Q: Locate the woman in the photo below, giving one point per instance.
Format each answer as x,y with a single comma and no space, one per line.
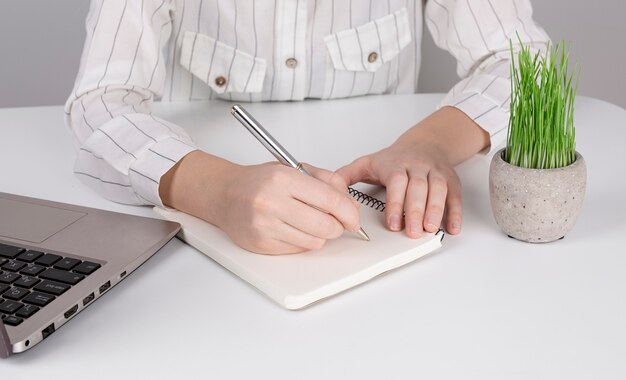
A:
275,50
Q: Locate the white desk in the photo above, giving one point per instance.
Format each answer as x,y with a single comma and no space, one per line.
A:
483,307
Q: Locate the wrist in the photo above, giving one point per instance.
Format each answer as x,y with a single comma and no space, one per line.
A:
450,131
196,184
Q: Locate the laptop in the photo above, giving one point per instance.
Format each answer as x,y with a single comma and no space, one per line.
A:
56,259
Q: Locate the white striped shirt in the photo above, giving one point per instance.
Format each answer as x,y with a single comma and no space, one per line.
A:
137,51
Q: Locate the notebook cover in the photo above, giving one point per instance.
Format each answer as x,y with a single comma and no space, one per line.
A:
295,281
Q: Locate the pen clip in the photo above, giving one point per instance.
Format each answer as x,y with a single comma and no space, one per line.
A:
302,170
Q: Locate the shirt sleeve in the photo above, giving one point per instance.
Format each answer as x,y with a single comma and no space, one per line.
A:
124,150
477,34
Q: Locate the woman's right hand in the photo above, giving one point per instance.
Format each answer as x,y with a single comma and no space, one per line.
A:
268,208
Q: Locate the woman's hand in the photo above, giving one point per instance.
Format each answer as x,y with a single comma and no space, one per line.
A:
418,171
272,208
268,208
421,184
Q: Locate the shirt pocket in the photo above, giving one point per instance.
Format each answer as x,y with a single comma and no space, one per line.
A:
368,47
222,67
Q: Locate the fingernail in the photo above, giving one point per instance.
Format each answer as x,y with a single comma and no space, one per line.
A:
431,226
415,231
456,227
395,223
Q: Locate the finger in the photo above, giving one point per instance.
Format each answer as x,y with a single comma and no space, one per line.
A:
275,243
274,247
454,206
357,171
437,192
415,204
293,236
326,198
396,182
282,239
312,221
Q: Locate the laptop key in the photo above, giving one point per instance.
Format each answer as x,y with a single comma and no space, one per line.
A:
33,269
10,251
86,267
3,288
12,320
38,299
15,294
26,311
52,287
30,256
48,259
26,282
13,266
3,261
8,277
66,263
61,276
10,307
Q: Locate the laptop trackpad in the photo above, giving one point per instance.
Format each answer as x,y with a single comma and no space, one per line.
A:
32,222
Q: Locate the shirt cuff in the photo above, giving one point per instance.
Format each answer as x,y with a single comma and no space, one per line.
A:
486,112
145,173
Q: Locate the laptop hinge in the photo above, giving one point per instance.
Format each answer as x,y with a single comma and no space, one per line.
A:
5,344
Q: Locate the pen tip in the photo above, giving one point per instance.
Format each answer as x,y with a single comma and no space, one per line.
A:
363,234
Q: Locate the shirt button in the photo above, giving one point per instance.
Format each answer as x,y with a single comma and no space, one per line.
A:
220,81
372,57
291,63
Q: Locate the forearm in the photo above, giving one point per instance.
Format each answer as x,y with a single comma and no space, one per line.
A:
123,150
483,54
450,131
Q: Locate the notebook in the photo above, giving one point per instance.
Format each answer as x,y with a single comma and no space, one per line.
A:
298,280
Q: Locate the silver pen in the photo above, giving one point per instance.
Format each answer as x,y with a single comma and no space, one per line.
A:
273,146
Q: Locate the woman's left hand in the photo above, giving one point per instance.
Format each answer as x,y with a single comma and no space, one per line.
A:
421,185
418,171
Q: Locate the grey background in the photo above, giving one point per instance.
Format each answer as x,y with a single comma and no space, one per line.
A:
41,42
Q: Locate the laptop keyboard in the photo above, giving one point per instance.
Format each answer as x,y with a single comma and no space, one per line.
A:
30,280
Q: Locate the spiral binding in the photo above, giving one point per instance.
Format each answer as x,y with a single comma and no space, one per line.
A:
367,200
442,232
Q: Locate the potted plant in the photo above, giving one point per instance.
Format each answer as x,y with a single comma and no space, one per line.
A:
537,182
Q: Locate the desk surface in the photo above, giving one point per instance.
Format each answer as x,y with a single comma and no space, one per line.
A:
483,307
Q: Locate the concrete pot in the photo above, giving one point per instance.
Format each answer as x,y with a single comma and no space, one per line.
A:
536,205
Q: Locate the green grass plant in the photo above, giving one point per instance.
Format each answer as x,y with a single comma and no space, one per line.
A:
541,132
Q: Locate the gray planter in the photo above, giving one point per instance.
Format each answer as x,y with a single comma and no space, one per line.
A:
536,205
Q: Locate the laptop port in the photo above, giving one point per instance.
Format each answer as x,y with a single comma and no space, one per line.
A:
71,311
47,331
88,299
123,274
104,287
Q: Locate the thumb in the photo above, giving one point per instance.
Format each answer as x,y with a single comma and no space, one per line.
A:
357,171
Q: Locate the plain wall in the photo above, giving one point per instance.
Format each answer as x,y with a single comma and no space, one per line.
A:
41,43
